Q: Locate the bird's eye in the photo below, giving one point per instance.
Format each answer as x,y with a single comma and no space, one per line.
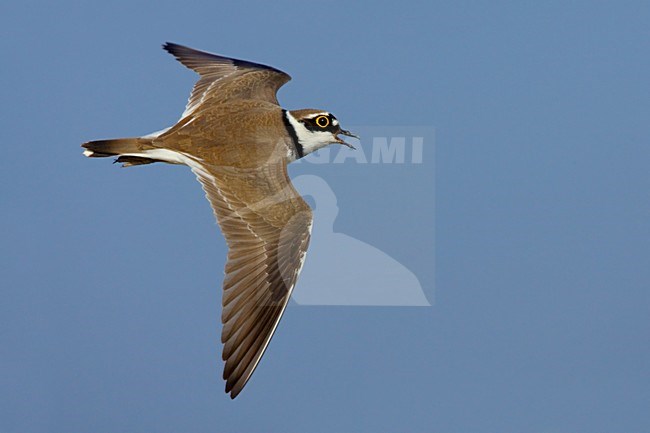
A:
322,121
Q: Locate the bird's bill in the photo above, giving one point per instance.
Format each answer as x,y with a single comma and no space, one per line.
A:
347,134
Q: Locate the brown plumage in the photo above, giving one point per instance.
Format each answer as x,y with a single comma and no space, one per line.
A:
237,140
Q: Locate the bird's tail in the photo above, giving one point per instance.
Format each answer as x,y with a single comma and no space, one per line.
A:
129,151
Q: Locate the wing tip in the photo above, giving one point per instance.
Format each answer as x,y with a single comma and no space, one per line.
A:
233,389
184,55
174,49
233,392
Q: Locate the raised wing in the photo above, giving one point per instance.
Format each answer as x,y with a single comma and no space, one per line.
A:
224,79
267,227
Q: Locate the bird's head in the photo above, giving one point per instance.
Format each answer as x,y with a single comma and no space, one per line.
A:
315,129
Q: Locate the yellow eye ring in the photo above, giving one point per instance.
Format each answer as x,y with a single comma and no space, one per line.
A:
323,121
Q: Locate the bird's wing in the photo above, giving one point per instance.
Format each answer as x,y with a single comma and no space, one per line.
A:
267,227
224,79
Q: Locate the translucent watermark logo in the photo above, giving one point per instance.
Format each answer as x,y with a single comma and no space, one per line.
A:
381,254
343,270
382,150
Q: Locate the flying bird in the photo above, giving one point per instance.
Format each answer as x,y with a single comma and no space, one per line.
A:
237,140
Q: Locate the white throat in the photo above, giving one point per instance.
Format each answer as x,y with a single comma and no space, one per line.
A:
310,141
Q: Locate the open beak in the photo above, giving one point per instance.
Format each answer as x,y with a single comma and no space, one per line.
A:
347,134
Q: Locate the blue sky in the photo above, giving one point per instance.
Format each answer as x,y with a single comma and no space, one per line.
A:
538,271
